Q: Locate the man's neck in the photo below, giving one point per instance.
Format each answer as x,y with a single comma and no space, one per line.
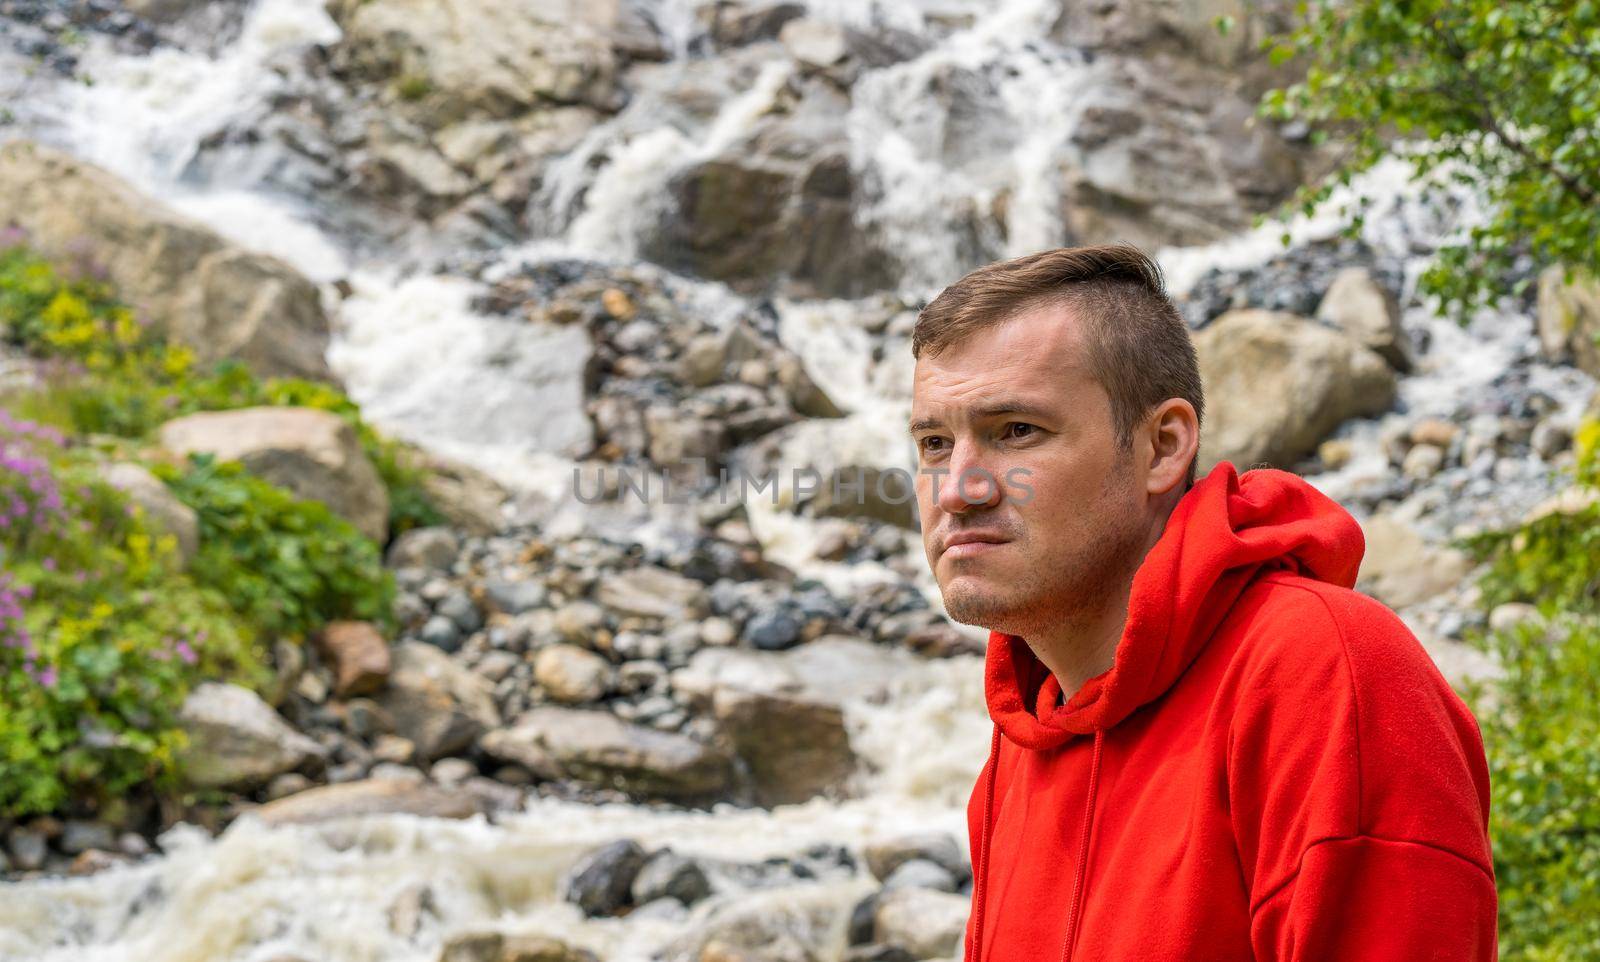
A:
1080,649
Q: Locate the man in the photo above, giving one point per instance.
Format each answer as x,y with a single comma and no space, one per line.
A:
1207,746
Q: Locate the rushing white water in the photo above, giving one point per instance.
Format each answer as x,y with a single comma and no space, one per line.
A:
327,891
506,395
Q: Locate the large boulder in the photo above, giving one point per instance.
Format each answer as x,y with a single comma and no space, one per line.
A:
1569,319
314,454
597,748
219,299
778,204
786,724
236,740
1277,384
441,706
1168,155
492,58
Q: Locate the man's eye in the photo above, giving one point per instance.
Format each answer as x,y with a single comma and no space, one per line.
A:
1019,429
932,445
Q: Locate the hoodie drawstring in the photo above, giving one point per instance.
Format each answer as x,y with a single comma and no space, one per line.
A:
980,880
1080,877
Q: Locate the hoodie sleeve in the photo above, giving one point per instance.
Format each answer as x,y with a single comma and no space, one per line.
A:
1358,791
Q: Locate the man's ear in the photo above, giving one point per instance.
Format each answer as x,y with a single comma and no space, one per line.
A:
1172,431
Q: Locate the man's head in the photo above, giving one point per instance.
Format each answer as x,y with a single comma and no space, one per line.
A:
1063,387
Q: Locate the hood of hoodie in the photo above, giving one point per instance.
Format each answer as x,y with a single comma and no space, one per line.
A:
1223,532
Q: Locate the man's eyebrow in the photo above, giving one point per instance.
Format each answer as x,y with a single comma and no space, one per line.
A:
992,409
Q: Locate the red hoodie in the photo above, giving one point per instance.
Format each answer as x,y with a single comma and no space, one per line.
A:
1272,769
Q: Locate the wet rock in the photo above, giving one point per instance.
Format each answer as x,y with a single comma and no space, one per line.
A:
161,507
374,796
452,771
920,874
1277,384
1422,462
236,740
883,858
572,675
796,925
1550,437
221,300
778,204
1510,615
359,656
494,947
601,883
596,748
1569,319
431,549
926,923
667,874
1369,312
787,729
438,705
314,454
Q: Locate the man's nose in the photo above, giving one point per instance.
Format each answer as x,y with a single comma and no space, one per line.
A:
972,483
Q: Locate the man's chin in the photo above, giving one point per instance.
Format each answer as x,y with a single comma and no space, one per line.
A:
976,601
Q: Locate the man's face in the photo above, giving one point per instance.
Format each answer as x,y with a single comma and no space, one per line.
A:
1064,525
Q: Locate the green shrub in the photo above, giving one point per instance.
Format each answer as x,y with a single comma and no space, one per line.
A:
1541,730
116,376
287,566
101,632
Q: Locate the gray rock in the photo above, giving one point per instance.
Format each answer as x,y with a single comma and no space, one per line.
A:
597,748
667,874
458,607
884,858
78,836
772,630
236,740
439,705
1369,312
441,633
920,874
431,549
29,848
601,883
926,923
652,592
516,597
1400,569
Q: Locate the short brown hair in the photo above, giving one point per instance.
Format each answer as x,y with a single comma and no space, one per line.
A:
1138,345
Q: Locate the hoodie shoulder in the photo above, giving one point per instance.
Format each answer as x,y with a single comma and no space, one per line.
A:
1331,688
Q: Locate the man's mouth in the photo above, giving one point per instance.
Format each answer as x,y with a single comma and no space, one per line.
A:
967,544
